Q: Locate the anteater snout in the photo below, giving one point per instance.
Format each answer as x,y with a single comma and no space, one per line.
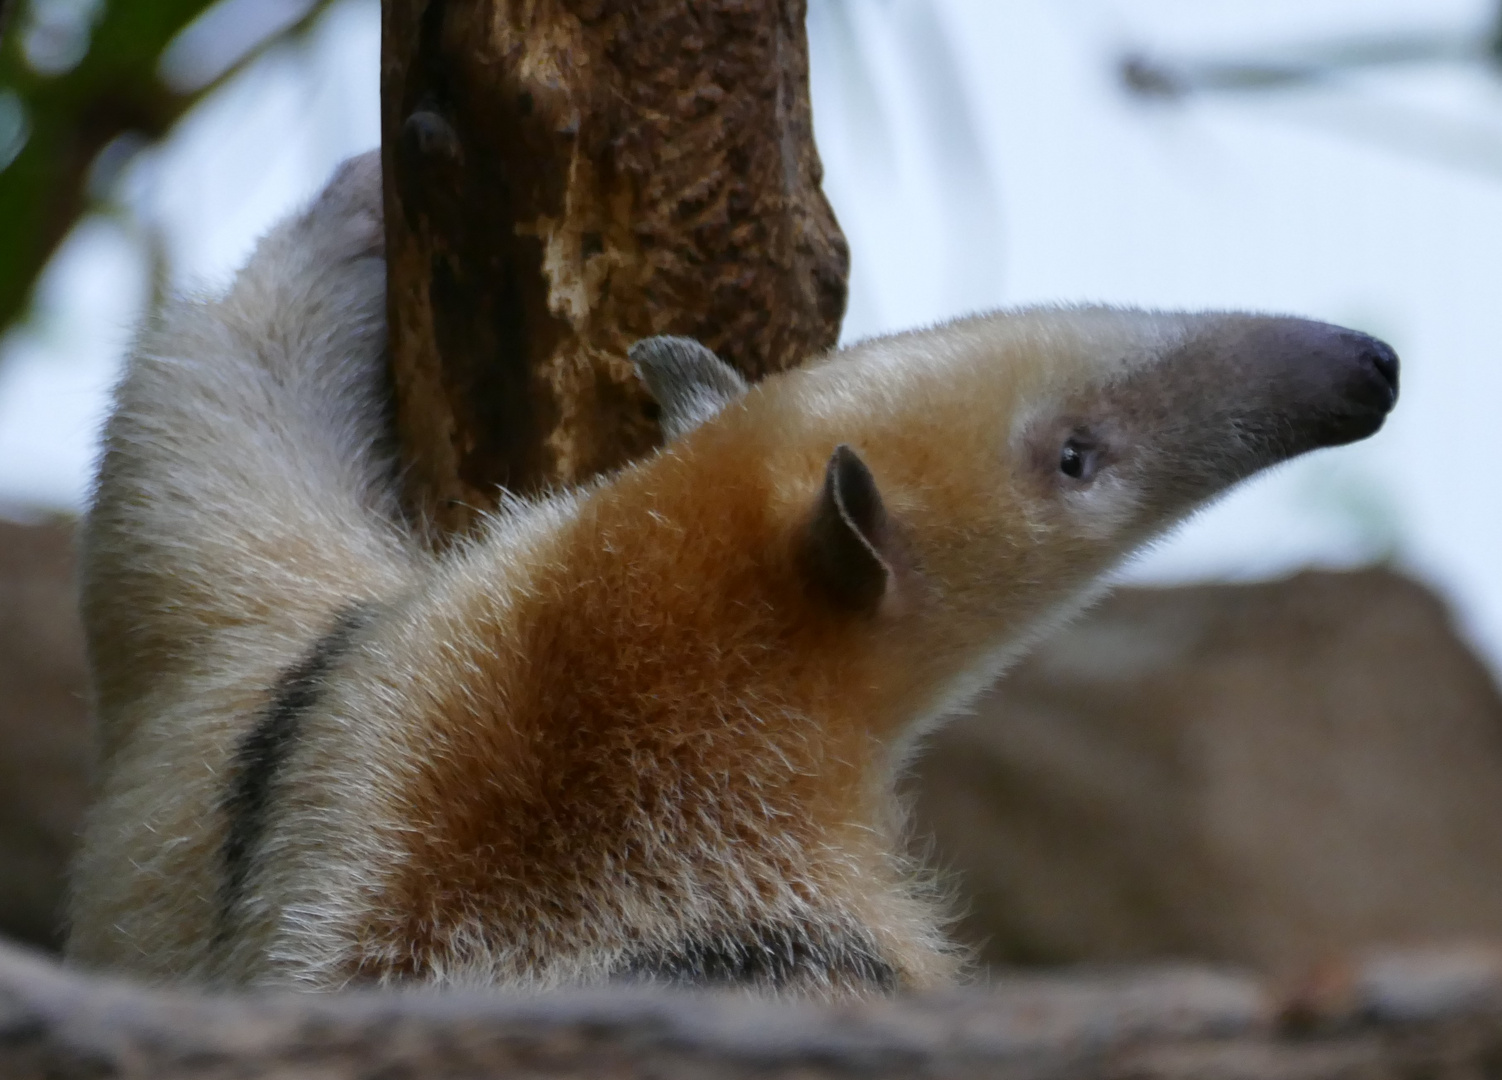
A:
1334,385
1371,383
1363,385
1385,362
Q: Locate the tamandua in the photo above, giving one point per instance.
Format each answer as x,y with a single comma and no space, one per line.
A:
642,730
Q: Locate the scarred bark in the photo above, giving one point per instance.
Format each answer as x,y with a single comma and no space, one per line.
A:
564,177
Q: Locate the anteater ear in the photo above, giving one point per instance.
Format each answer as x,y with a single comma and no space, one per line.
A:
689,381
849,546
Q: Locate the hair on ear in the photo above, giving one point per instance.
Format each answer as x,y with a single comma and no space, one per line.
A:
849,538
689,381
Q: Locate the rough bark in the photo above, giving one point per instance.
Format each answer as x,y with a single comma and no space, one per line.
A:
564,177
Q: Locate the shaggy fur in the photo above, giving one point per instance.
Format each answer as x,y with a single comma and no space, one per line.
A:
643,730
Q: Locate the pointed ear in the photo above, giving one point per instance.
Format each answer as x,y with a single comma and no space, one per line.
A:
849,545
690,382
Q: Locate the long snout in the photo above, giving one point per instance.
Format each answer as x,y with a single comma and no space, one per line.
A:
1301,385
1332,385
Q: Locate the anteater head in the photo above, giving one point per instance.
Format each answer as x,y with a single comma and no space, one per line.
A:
973,482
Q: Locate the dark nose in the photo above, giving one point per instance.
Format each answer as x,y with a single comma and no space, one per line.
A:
1363,373
1385,360
1332,385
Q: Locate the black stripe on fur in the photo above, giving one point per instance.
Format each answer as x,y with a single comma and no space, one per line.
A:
771,956
265,748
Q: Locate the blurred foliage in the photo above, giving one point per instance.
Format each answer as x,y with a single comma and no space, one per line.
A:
1301,66
81,88
1418,132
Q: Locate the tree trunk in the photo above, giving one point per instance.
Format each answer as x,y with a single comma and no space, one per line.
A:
564,177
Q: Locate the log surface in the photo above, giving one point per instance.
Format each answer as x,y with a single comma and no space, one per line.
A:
1436,1015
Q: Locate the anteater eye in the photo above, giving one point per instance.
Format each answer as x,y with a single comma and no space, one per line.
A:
1077,460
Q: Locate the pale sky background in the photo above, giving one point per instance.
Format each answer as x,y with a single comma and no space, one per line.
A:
982,153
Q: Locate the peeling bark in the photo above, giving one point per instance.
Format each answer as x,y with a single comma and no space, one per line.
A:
564,177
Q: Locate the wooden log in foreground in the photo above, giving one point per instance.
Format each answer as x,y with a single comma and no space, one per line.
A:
566,176
1435,1014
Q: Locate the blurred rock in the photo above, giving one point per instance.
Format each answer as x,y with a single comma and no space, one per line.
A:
1261,775
44,743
